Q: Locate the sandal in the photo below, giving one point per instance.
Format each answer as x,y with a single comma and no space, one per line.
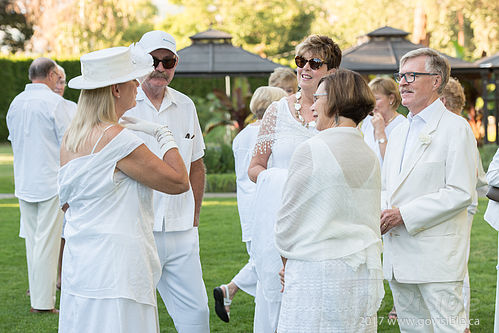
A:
392,314
221,302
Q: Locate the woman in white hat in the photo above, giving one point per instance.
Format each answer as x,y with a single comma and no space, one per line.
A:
110,263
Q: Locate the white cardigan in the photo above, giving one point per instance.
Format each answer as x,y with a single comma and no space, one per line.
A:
331,201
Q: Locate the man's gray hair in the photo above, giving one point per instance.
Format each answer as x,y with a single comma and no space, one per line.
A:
435,63
40,68
61,69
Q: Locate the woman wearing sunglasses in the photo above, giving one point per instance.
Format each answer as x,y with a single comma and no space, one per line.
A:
285,125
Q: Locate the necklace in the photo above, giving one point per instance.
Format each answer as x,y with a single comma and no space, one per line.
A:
298,108
390,120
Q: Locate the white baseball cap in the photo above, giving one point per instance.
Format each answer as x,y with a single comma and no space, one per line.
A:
157,39
111,66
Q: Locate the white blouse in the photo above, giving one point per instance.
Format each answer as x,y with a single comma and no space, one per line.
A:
242,146
368,131
110,250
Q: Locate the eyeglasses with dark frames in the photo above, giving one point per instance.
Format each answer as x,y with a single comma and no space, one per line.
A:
409,76
315,63
168,63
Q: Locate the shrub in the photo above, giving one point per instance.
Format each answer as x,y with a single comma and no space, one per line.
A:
219,159
14,74
220,183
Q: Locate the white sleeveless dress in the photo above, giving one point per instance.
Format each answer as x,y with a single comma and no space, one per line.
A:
110,264
281,133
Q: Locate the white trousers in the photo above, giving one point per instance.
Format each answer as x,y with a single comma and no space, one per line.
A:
247,278
181,285
42,226
116,315
266,313
429,307
466,281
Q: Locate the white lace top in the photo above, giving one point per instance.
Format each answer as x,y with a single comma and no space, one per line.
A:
281,133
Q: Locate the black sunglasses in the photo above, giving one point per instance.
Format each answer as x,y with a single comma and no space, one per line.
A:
168,63
315,63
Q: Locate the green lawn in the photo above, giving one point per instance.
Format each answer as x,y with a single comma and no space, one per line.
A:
222,255
6,171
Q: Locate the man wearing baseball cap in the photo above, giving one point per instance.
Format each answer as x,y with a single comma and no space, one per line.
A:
176,216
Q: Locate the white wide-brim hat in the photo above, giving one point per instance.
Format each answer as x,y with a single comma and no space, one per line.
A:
111,66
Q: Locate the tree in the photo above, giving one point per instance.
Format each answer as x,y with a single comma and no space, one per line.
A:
266,27
72,27
15,30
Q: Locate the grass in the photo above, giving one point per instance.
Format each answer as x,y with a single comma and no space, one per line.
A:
222,255
6,170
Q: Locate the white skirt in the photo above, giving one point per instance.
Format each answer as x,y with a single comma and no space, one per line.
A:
117,315
325,296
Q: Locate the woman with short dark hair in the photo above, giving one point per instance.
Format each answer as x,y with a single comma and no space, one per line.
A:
328,227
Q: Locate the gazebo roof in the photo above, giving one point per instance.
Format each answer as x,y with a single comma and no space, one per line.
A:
212,54
382,51
489,62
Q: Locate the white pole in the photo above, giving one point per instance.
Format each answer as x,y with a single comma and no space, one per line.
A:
227,85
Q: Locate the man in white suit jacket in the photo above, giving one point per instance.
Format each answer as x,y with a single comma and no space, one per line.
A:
429,174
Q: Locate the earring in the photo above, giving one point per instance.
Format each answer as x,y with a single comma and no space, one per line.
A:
118,96
391,103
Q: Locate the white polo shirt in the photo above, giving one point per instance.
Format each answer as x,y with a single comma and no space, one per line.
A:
37,119
173,212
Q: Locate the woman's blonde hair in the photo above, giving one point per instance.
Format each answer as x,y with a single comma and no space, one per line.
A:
387,87
323,47
281,75
348,95
263,97
94,106
454,96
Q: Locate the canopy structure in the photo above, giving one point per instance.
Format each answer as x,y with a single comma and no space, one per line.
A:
489,62
212,54
382,49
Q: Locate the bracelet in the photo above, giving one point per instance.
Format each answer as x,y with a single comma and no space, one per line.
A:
165,139
382,140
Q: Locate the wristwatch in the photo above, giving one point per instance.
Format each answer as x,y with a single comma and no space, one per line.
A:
382,140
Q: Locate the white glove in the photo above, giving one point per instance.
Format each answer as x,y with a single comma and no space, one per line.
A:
161,132
140,125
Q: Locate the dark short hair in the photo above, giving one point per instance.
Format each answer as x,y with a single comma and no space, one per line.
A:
323,47
40,68
348,95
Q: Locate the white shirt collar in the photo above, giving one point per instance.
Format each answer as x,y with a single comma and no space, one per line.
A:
427,113
168,98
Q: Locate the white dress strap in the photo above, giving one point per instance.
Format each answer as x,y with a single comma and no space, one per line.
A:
98,140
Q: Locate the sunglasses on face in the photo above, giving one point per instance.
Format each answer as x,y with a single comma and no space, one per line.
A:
314,63
168,63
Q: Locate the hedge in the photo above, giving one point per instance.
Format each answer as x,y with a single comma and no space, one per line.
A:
14,75
220,183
